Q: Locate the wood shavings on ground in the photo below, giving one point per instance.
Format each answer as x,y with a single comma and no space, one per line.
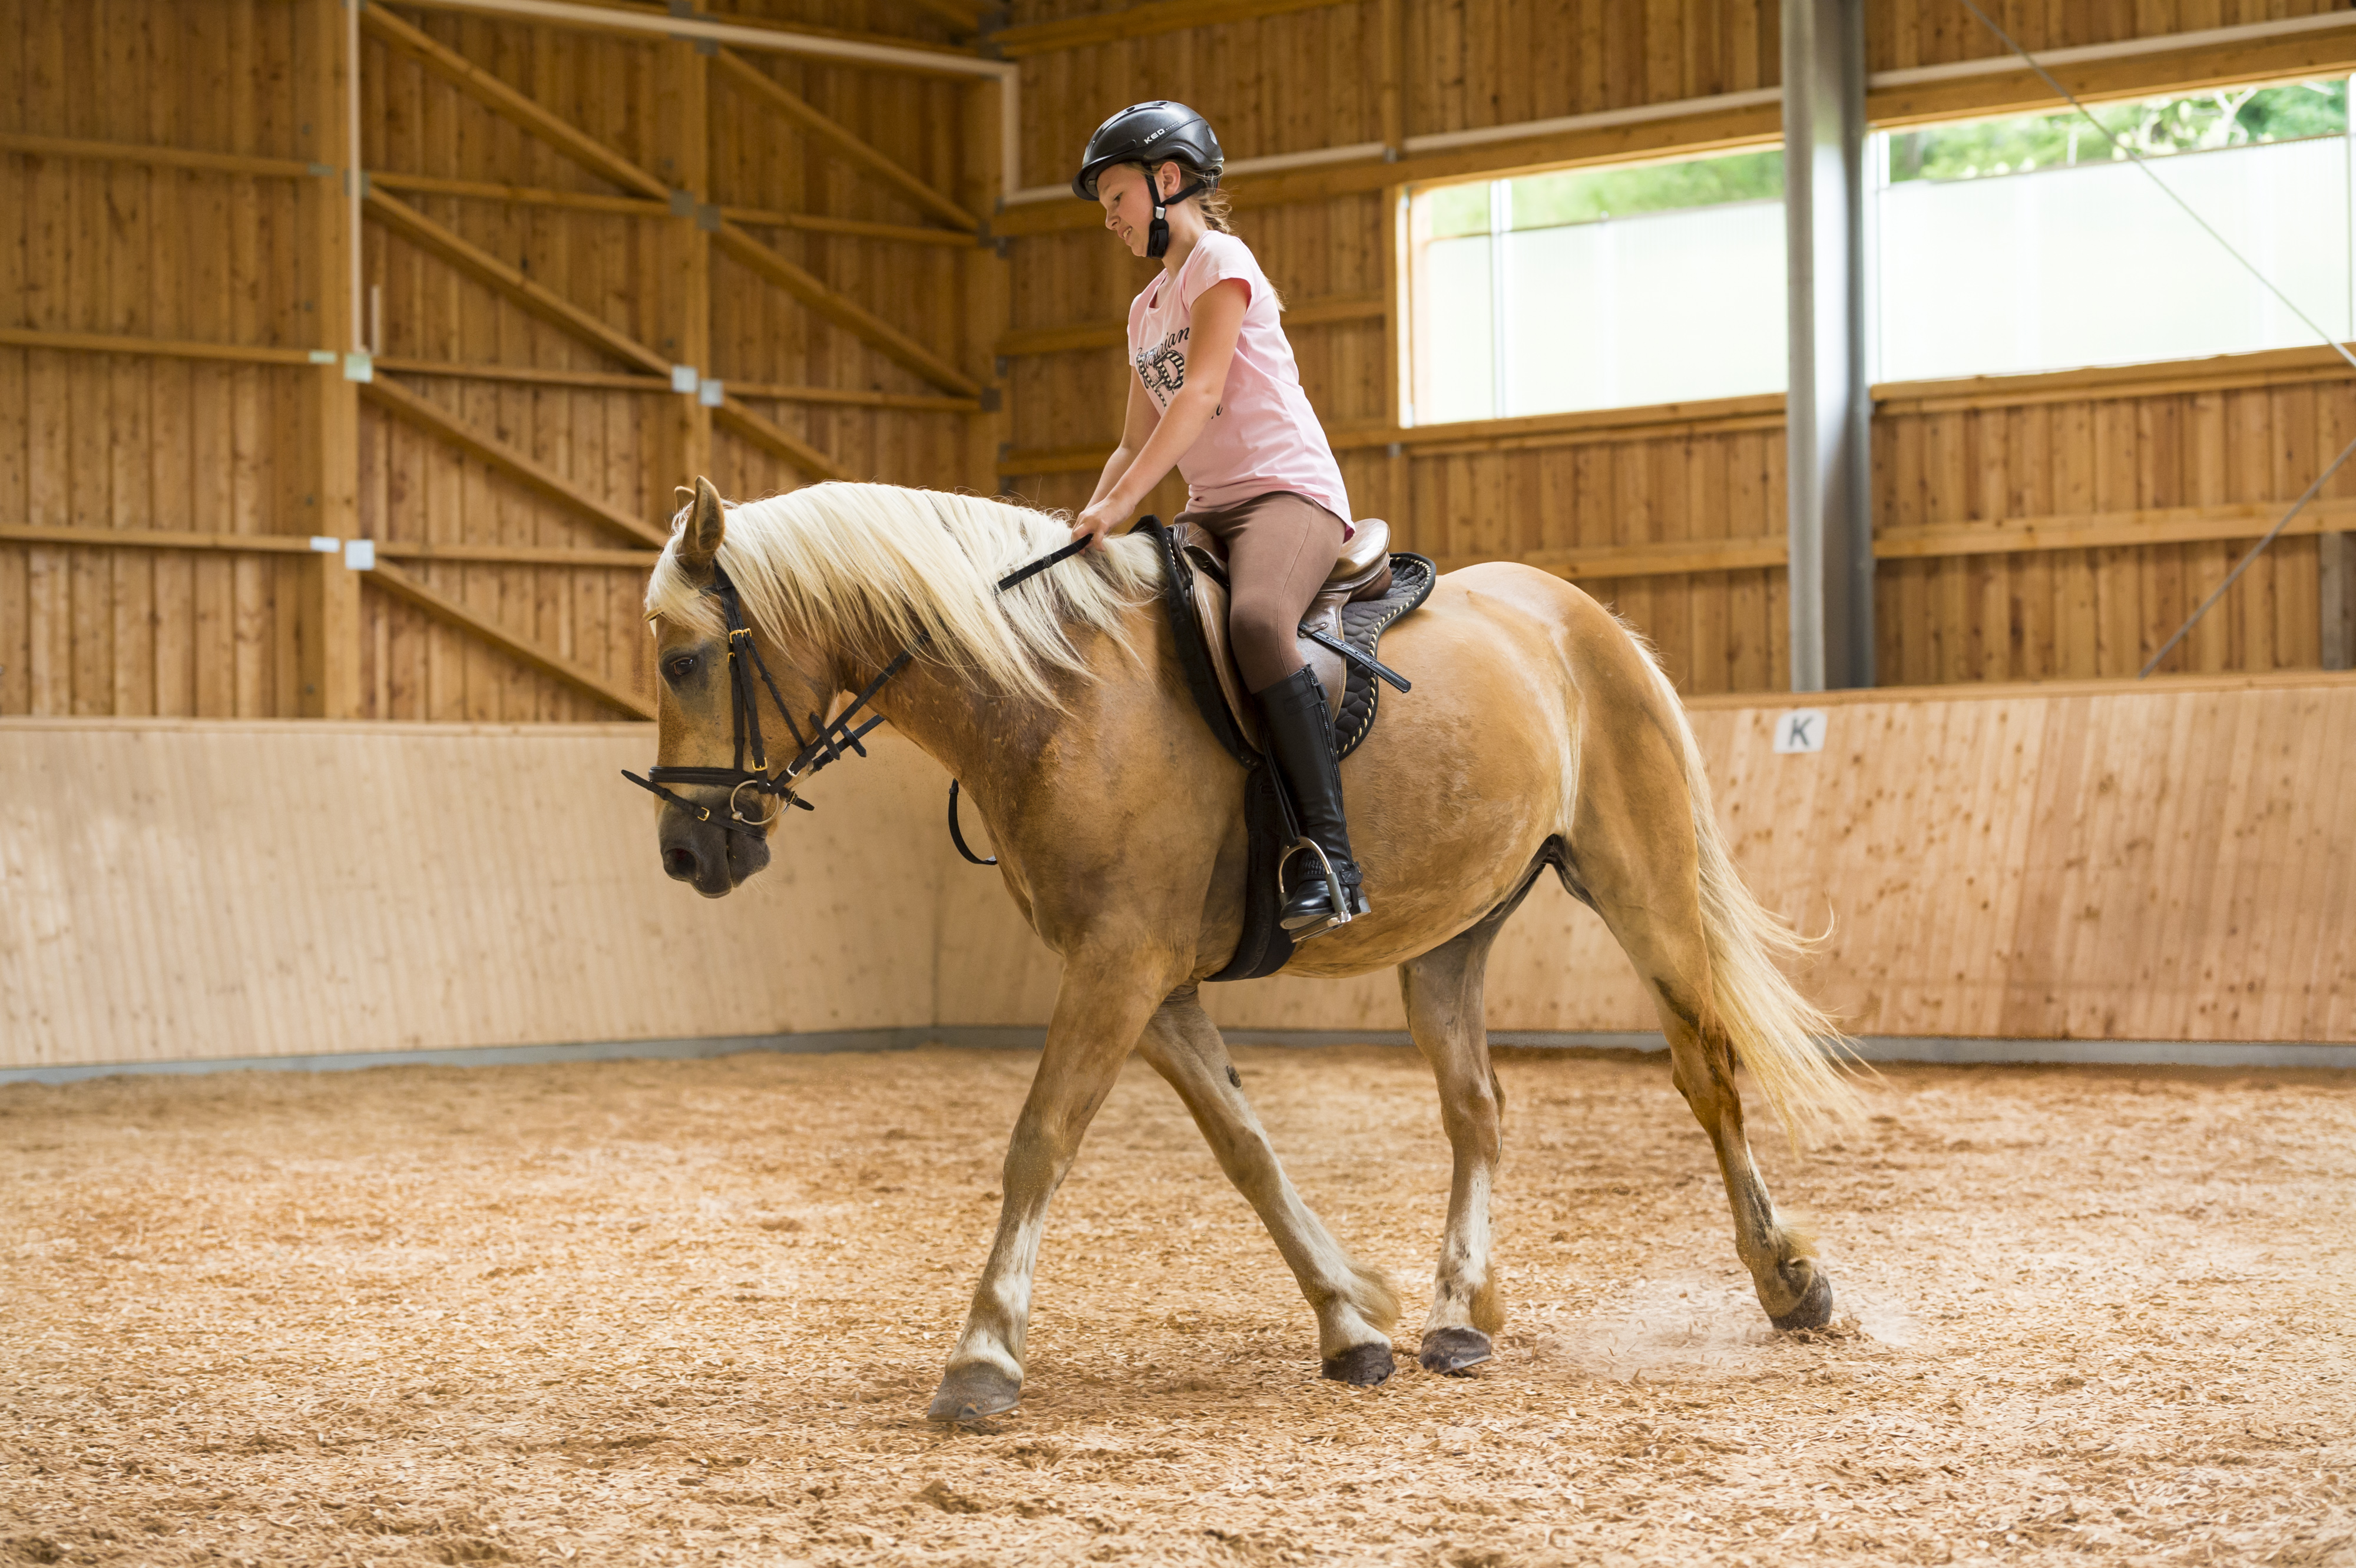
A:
691,1313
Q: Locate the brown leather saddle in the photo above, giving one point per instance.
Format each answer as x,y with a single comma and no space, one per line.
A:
1370,587
1363,571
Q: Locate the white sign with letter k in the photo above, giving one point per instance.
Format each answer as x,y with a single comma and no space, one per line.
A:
1801,729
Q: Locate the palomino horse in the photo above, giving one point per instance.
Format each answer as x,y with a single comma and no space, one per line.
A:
1541,732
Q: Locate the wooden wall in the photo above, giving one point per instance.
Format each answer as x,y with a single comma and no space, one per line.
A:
175,261
2161,861
1675,515
176,891
174,264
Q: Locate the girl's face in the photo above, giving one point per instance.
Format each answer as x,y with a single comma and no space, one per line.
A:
1128,202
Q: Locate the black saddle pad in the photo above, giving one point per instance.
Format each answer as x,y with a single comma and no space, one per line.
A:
1266,947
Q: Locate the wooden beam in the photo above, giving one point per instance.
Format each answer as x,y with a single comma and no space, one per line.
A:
1143,21
154,538
845,312
1115,334
2329,52
2108,530
987,279
2015,536
679,263
642,207
296,544
1390,85
327,625
853,397
162,157
519,195
761,432
1604,562
162,347
855,228
531,375
402,586
1695,134
1654,422
433,418
680,19
511,104
543,302
2218,372
515,554
797,108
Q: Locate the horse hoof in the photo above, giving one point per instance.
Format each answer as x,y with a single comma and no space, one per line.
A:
1814,1309
974,1392
1361,1366
1452,1352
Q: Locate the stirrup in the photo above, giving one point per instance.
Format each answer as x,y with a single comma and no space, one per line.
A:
1345,903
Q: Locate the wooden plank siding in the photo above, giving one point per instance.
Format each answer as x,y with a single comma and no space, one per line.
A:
211,247
210,242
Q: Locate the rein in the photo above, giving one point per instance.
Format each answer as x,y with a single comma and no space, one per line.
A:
829,740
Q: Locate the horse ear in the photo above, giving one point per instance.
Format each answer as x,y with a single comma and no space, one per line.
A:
705,527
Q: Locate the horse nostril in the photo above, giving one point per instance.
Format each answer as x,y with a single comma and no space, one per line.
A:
681,862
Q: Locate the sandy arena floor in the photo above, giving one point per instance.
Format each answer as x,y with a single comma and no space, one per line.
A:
691,1313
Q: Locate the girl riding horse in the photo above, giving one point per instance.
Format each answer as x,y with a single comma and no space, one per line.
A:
1216,395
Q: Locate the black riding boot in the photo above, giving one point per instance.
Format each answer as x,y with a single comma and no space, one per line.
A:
1300,735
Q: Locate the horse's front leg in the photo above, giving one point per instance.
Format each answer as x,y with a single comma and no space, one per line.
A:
1356,1306
1105,999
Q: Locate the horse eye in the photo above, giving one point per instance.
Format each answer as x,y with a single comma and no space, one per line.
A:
682,667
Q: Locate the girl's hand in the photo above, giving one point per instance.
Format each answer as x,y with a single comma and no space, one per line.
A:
1100,519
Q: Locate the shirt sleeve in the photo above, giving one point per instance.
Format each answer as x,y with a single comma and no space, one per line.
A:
1218,259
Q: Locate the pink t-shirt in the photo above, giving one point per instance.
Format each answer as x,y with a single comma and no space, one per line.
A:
1265,436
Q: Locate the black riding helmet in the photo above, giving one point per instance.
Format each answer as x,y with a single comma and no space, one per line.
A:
1152,133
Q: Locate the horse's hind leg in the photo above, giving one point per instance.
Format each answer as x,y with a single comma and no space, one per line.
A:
1646,886
1355,1304
1442,989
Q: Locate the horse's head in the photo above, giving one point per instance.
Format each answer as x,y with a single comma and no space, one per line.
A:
712,682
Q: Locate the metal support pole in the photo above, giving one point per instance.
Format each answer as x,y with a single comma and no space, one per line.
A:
1828,424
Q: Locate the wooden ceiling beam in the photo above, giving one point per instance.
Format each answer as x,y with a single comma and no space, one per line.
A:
1115,334
518,108
766,434
537,298
433,418
800,110
844,312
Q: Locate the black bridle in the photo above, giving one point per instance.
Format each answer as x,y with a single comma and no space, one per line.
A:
829,740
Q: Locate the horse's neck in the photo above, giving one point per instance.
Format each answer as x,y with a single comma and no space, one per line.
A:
977,736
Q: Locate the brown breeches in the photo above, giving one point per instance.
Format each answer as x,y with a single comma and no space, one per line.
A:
1281,549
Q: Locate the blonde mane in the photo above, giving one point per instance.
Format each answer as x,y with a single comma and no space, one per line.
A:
868,568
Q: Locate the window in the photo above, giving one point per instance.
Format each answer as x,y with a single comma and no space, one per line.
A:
1597,288
1995,246
2030,244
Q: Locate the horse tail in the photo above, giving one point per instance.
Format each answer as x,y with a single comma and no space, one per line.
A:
1794,1050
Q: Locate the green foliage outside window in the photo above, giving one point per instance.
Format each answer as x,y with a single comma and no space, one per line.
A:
2151,127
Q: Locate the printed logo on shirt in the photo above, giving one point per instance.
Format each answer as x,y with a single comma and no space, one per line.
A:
1162,370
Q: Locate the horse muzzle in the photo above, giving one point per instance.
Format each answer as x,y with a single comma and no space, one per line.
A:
709,858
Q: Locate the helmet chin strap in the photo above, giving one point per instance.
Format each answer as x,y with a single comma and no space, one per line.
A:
1157,233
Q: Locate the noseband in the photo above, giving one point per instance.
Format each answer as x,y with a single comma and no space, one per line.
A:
829,739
